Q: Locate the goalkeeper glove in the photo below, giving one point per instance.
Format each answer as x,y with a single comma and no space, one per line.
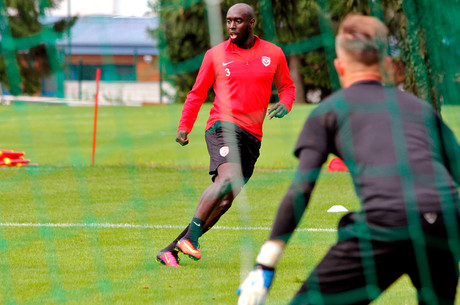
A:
255,288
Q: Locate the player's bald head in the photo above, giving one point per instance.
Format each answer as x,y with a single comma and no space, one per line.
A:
362,38
243,9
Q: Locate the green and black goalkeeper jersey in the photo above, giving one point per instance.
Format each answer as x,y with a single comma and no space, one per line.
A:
391,142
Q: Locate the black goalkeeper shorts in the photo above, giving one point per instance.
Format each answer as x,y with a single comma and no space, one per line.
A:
228,143
357,270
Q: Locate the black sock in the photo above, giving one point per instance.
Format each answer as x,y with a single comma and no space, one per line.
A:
196,229
172,246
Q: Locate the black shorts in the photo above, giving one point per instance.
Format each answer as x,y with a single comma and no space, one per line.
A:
228,143
357,270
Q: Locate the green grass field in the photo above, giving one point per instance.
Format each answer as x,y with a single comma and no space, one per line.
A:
74,233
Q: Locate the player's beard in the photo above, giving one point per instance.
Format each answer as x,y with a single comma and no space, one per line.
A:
240,40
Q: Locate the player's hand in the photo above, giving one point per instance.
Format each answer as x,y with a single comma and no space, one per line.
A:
277,111
255,288
182,137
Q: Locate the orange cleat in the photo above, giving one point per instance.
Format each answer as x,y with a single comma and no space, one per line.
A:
186,247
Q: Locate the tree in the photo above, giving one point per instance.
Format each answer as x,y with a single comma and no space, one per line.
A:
25,54
429,44
184,35
296,21
423,43
305,30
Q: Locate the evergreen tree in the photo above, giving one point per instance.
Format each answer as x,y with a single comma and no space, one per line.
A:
25,59
186,36
285,22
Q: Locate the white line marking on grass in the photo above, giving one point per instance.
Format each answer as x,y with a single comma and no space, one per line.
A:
269,229
133,226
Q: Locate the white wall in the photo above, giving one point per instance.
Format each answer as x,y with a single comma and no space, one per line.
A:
119,93
101,7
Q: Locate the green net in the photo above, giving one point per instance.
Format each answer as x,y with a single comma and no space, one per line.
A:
76,233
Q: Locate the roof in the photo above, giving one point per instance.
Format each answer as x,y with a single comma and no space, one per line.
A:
110,35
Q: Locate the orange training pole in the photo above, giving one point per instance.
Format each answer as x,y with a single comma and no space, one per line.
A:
98,77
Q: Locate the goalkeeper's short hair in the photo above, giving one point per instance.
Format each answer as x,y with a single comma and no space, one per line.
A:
364,38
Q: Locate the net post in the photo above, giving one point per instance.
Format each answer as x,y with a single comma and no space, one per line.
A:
98,77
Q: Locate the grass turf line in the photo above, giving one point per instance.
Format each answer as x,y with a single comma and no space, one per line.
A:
143,177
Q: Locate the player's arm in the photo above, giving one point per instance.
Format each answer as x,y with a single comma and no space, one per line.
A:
286,89
195,98
255,288
296,199
451,150
313,146
312,149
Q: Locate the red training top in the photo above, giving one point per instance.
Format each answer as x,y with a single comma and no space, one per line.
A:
242,81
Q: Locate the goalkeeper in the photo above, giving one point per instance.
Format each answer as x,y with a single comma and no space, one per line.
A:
404,164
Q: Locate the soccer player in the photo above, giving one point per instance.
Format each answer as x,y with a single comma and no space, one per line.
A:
404,162
242,71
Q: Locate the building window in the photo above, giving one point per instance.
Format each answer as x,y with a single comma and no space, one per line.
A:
108,72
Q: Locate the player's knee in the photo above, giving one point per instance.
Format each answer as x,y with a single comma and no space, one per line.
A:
225,185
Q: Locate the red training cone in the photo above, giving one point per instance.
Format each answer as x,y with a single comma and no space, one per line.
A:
337,165
13,158
13,162
10,154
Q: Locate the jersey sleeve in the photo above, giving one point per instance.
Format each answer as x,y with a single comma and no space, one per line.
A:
451,150
284,83
312,149
196,97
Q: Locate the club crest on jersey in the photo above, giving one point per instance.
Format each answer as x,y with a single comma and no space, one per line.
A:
266,60
224,150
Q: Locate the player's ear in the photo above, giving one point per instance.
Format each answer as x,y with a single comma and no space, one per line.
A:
338,64
388,63
252,22
388,71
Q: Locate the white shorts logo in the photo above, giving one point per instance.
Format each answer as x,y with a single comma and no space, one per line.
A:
430,217
266,60
224,150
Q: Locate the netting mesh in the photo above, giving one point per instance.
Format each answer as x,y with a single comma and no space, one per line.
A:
425,45
81,234
432,50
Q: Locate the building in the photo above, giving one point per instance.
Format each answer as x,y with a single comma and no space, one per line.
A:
121,47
